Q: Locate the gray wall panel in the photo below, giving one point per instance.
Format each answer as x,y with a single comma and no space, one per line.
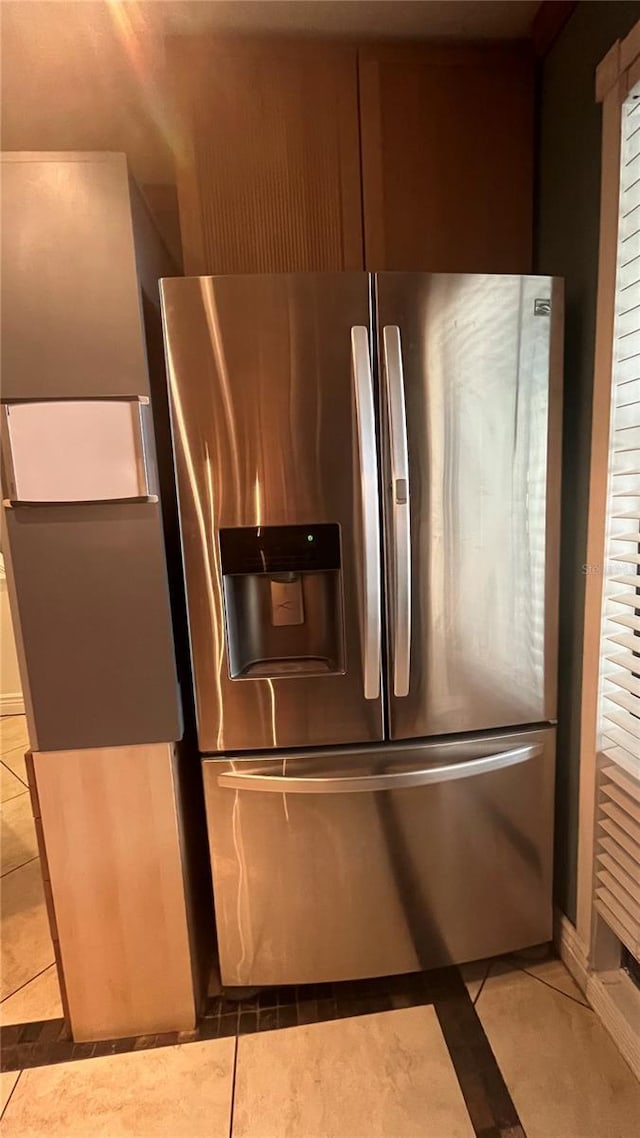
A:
71,310
92,606
88,583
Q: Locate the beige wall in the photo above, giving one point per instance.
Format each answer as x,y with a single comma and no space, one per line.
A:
96,82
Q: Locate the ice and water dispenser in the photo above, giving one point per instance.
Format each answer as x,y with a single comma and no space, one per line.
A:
283,600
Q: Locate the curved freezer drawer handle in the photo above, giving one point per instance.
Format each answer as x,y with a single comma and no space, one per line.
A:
366,430
368,783
401,521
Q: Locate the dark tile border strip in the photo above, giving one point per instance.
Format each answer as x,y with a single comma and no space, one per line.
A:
490,1106
47,1041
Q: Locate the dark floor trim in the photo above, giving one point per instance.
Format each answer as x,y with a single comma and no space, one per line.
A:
489,1103
491,1108
232,1104
45,1042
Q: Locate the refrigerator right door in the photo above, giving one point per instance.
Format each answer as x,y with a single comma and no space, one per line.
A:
470,396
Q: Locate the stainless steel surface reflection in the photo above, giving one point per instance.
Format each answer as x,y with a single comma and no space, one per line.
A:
349,877
345,861
481,384
261,385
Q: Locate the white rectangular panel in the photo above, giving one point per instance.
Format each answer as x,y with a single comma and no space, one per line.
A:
76,451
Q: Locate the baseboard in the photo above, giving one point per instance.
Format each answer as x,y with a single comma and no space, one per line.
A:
573,953
11,703
616,1002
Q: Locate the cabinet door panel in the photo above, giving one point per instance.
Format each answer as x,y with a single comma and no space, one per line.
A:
269,168
447,158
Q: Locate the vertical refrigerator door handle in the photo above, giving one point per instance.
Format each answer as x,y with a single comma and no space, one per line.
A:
400,509
366,430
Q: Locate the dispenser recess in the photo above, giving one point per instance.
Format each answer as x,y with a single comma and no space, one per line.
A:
283,600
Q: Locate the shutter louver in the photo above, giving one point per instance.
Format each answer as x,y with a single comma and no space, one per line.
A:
618,832
618,855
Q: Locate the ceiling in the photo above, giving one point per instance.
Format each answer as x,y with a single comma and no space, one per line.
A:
482,19
91,75
435,19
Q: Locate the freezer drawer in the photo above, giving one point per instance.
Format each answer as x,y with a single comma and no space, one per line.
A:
368,862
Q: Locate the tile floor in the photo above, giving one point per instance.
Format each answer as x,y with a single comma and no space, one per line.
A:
28,980
565,1075
384,1075
407,1072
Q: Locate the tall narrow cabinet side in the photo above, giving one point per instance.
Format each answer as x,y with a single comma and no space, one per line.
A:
109,819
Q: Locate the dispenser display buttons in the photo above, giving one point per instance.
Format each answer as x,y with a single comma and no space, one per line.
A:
280,549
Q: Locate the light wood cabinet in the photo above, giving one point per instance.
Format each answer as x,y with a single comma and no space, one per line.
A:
447,158
269,163
116,877
311,156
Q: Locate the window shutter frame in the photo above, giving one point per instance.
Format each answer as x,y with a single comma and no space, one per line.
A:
617,847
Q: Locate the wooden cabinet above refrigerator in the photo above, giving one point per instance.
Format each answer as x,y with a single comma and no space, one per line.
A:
269,159
314,156
447,158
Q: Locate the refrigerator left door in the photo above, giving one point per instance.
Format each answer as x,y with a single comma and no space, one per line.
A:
274,436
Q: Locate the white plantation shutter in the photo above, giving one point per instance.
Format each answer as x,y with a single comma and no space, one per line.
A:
618,833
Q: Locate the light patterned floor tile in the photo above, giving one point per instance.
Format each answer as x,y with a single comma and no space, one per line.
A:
170,1092
13,733
554,973
15,761
473,975
18,842
26,941
550,971
8,1080
564,1073
10,785
39,999
387,1075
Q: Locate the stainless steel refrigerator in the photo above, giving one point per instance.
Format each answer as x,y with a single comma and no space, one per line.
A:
368,477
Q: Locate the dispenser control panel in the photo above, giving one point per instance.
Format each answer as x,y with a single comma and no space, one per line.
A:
280,549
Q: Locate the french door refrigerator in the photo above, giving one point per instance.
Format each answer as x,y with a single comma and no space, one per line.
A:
368,477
